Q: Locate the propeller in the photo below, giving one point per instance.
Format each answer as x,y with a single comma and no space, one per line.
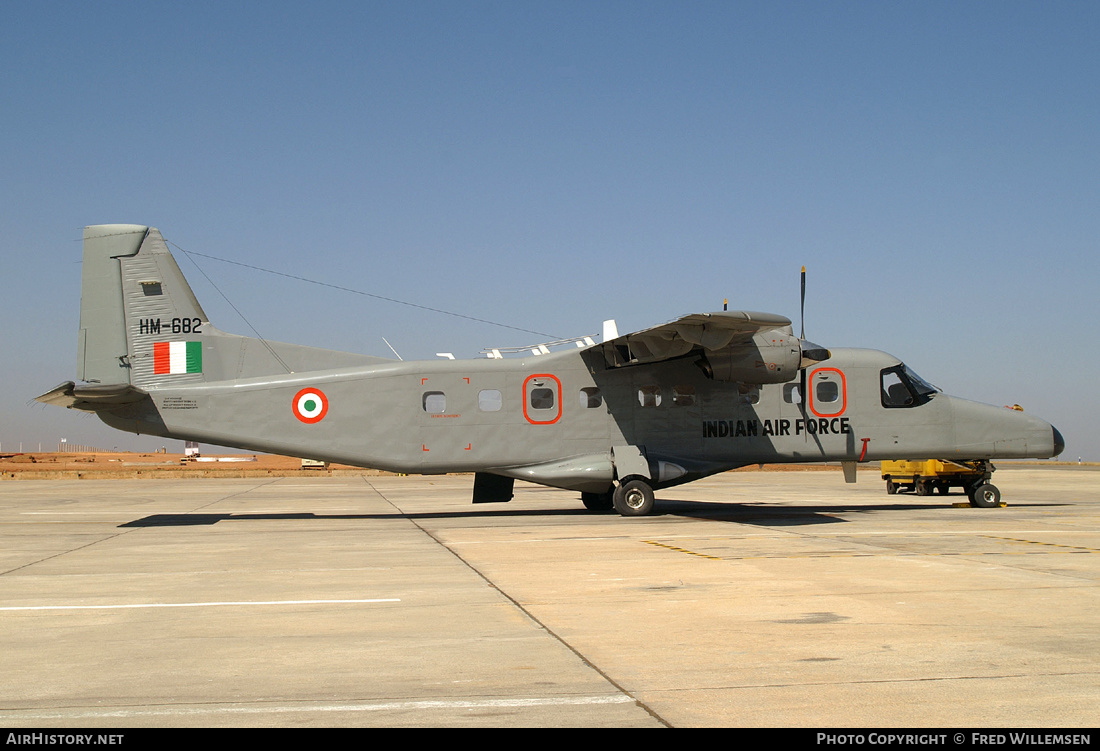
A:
801,343
802,308
811,353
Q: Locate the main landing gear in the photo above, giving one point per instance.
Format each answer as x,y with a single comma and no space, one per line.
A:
633,496
598,501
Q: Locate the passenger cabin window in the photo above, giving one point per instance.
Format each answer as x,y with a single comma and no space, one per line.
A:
827,391
435,402
683,396
489,400
649,396
750,394
792,393
591,398
542,398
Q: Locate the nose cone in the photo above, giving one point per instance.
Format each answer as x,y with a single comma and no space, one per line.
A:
1059,442
985,431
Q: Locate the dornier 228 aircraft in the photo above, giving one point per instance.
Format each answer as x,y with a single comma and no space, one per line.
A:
614,420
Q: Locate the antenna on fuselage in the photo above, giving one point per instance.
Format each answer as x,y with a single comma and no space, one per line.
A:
399,357
610,330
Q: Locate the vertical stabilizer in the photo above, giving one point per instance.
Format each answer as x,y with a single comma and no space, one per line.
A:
164,321
102,349
141,325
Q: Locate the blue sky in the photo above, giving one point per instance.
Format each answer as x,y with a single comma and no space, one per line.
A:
936,166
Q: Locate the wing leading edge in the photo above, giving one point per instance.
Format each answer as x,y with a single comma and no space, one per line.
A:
706,331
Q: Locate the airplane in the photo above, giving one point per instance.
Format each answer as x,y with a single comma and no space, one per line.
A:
614,420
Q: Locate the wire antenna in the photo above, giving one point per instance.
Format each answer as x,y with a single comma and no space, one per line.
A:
235,308
364,294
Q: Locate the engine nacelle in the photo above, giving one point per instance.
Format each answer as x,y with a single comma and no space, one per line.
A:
771,357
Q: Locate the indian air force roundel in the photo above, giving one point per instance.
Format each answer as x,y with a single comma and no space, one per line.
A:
310,405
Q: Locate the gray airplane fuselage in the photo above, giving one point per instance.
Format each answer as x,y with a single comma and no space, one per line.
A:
667,405
480,415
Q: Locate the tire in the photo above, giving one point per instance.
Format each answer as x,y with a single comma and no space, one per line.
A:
891,488
633,498
985,496
920,487
598,501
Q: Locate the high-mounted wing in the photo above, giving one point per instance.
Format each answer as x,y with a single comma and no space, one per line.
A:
708,331
735,345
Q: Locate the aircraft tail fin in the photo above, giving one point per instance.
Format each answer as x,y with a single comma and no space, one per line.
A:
102,351
141,325
137,311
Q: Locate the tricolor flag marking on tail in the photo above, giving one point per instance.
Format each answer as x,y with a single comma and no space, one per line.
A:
310,405
170,358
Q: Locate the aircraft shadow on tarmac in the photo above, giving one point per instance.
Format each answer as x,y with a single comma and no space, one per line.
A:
737,513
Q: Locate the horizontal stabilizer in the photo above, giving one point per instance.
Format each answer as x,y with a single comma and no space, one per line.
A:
92,397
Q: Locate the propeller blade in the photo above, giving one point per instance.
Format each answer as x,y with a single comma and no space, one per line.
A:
802,337
802,390
802,313
811,353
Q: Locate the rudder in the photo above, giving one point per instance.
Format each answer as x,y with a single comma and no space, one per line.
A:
139,319
164,320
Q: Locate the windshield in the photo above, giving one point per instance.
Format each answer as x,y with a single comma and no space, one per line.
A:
921,386
901,387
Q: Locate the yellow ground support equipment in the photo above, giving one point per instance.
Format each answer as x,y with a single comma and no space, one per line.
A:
933,475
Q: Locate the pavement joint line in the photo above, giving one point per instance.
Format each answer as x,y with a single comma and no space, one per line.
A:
1071,548
196,604
342,707
128,531
878,681
682,550
894,553
554,635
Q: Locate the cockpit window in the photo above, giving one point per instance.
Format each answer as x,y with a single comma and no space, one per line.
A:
923,387
901,387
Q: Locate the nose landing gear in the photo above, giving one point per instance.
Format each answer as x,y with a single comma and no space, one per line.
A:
984,495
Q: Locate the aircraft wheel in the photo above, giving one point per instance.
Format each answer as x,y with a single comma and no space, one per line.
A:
633,498
985,496
891,487
598,501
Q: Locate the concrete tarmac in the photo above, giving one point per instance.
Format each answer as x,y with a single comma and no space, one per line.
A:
750,599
